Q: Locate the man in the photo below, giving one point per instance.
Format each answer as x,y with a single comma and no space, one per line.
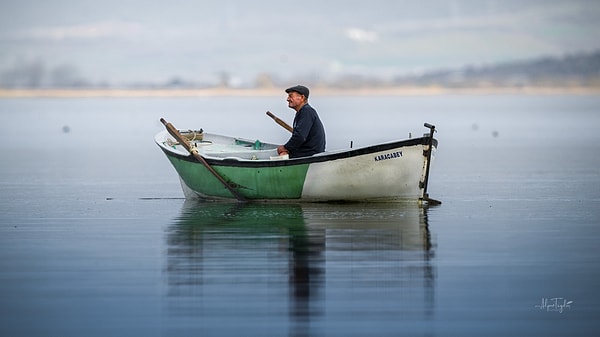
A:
308,137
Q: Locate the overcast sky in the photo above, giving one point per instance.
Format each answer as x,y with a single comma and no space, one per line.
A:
144,40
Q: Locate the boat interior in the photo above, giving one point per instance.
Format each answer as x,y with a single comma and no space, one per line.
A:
224,147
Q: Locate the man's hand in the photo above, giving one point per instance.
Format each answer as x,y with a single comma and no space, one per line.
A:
281,150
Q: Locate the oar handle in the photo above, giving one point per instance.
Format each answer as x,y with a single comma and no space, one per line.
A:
280,122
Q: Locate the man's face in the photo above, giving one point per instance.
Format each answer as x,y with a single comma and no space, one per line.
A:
295,100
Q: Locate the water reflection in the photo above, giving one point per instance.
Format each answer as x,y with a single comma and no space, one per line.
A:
297,266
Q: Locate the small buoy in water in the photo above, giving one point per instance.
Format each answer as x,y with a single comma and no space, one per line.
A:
66,129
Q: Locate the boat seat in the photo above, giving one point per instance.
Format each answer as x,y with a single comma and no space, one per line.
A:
243,155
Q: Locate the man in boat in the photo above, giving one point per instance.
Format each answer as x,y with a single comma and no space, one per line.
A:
308,137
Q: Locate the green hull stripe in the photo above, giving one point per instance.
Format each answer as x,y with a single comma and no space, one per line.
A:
280,182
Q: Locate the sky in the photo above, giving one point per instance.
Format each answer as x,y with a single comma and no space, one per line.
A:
140,41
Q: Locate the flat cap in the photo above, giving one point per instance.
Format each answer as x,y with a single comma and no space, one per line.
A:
302,90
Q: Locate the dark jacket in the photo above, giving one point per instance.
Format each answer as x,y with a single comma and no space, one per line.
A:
308,137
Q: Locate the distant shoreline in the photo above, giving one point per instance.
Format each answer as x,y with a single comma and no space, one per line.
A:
267,92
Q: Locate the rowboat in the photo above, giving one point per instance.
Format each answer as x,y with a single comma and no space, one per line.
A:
212,166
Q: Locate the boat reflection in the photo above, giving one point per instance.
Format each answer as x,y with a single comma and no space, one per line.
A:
235,260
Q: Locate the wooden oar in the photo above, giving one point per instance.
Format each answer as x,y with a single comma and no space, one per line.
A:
194,151
280,122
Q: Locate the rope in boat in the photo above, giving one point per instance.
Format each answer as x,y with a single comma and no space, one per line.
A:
194,135
173,143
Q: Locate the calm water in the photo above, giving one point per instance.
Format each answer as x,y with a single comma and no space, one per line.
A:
96,240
